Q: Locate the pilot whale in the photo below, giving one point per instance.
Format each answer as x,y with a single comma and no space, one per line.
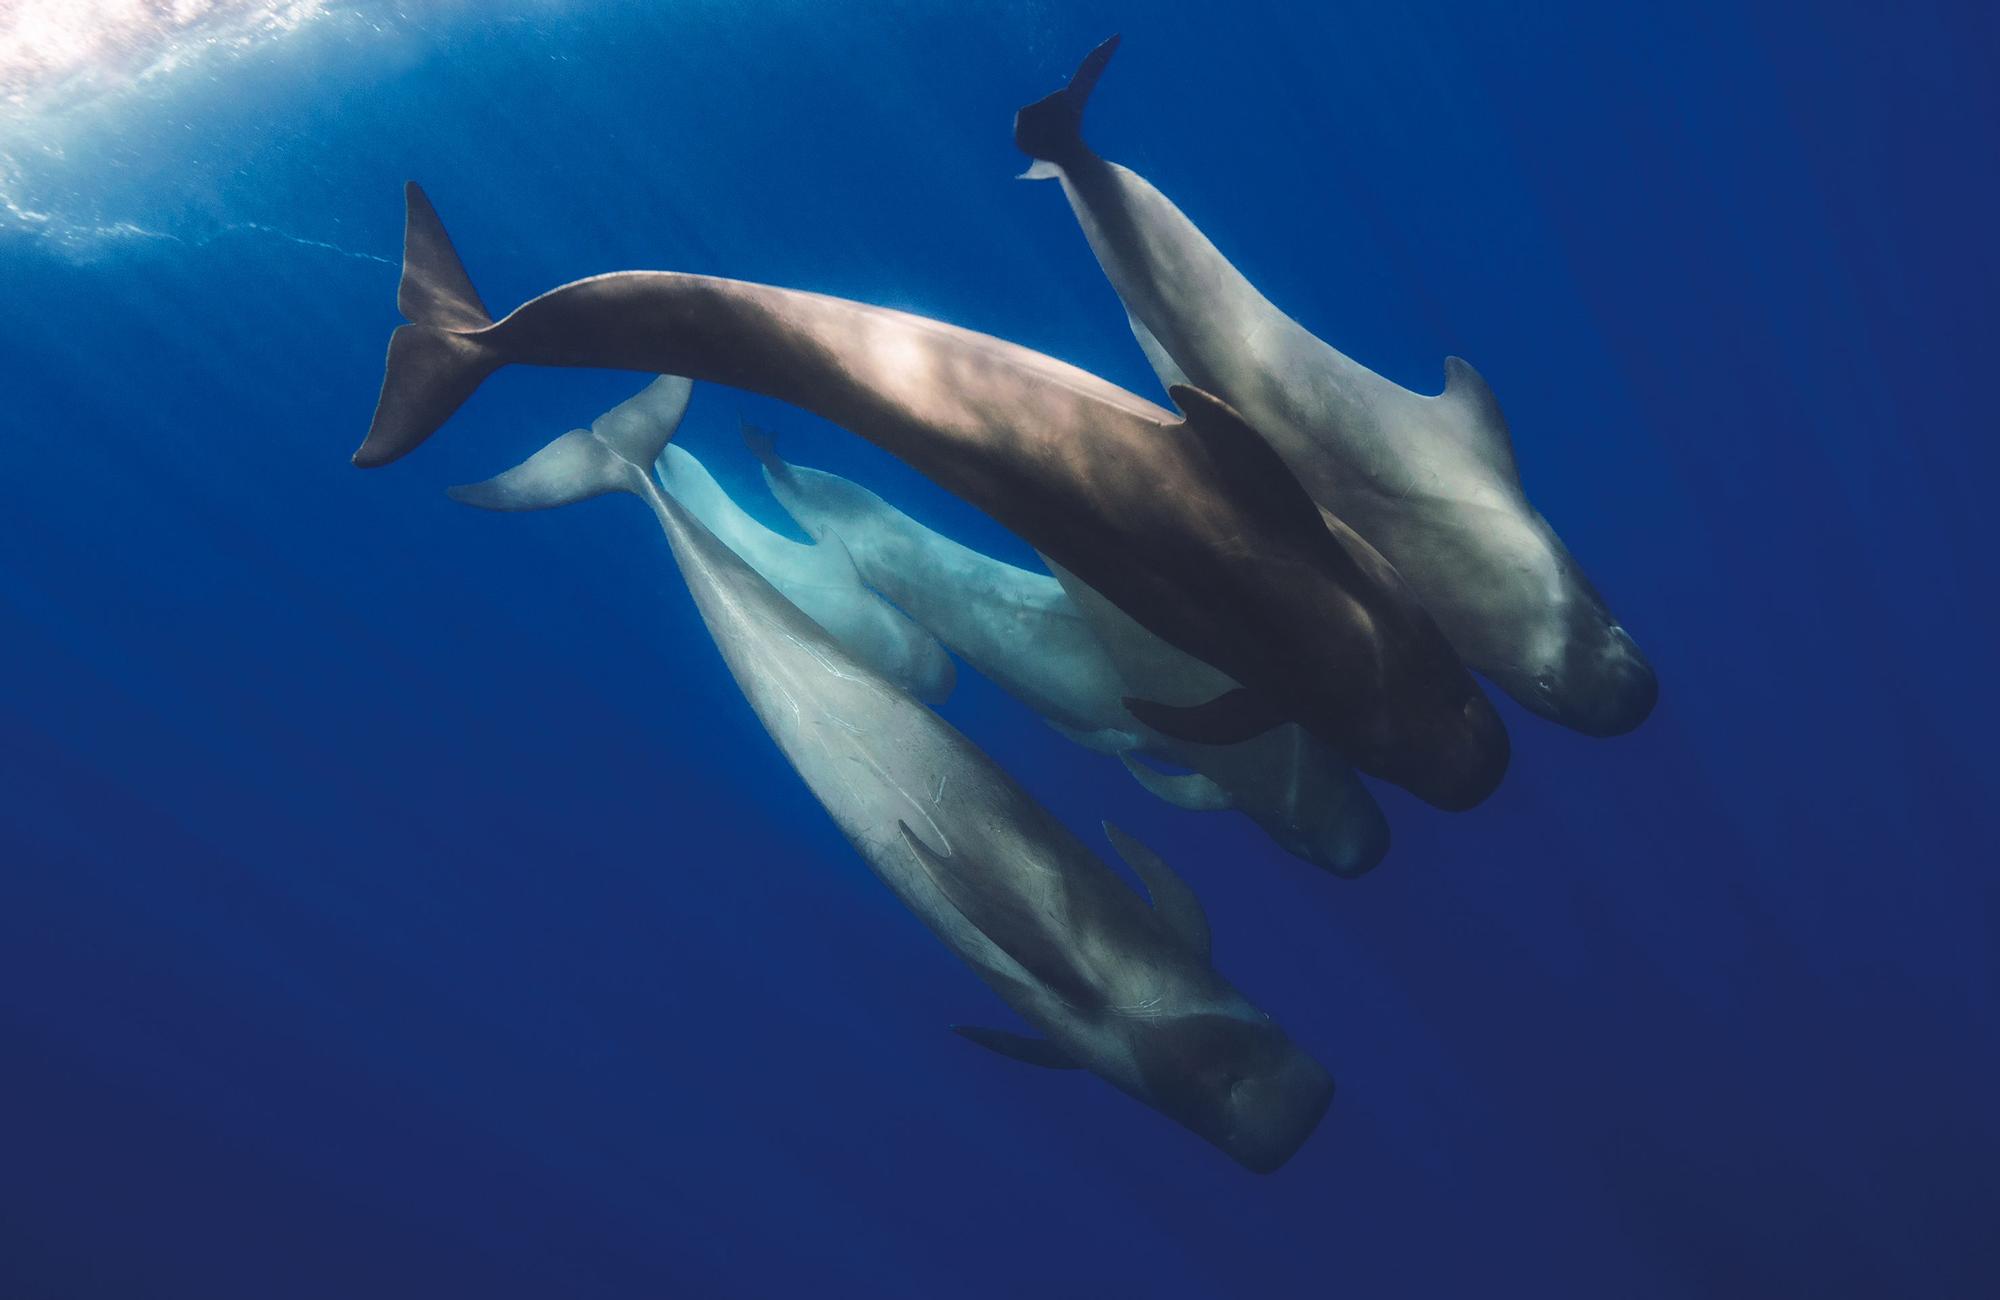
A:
1191,525
1118,987
1430,481
821,580
1070,655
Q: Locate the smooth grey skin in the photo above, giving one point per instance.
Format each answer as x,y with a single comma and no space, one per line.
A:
1429,481
1118,987
1071,655
820,580
1193,525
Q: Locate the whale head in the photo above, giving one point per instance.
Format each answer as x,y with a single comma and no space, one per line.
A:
1327,817
1582,668
1603,686
1347,838
1238,1081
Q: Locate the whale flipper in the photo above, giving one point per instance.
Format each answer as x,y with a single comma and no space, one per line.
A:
1175,902
1052,126
438,359
1227,719
1189,790
610,456
761,443
1022,1048
1105,740
1003,917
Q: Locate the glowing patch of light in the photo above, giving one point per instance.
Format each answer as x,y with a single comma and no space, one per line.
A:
58,51
70,70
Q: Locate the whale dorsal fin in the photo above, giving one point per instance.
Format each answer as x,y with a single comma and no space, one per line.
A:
1020,1047
1163,364
1248,466
1000,914
1175,903
1467,395
1189,790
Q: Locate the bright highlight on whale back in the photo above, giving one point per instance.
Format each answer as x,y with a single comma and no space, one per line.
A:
1193,526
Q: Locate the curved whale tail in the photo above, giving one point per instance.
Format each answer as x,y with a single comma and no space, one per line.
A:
1051,128
439,358
612,455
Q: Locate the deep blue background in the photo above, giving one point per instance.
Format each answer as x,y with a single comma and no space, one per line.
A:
402,901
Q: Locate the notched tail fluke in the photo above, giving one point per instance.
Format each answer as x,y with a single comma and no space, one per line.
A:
612,455
438,359
1051,128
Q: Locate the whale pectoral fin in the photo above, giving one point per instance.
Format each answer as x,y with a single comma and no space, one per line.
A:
1005,918
761,443
1466,391
1105,740
1189,790
1172,898
1028,1051
1245,463
1228,719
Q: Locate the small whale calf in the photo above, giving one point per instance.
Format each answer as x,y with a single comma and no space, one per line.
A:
1117,987
1191,525
820,580
1429,481
1070,655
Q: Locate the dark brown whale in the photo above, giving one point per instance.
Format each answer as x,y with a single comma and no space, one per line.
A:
1192,525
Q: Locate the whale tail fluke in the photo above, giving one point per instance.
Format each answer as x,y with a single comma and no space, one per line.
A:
435,290
612,455
438,359
1051,128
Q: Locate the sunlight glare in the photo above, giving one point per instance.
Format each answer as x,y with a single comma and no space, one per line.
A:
65,49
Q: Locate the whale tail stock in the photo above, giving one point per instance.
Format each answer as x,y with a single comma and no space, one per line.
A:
613,455
1051,128
439,358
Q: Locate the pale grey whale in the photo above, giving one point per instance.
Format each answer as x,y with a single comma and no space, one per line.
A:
1117,987
1071,656
1429,481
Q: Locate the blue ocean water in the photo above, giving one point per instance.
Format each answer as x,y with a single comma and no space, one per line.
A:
401,901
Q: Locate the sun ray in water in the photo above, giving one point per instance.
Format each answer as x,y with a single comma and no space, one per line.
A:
70,72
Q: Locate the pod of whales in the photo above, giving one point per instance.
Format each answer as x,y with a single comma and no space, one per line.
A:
1282,584
1192,526
1429,481
1115,986
1070,655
